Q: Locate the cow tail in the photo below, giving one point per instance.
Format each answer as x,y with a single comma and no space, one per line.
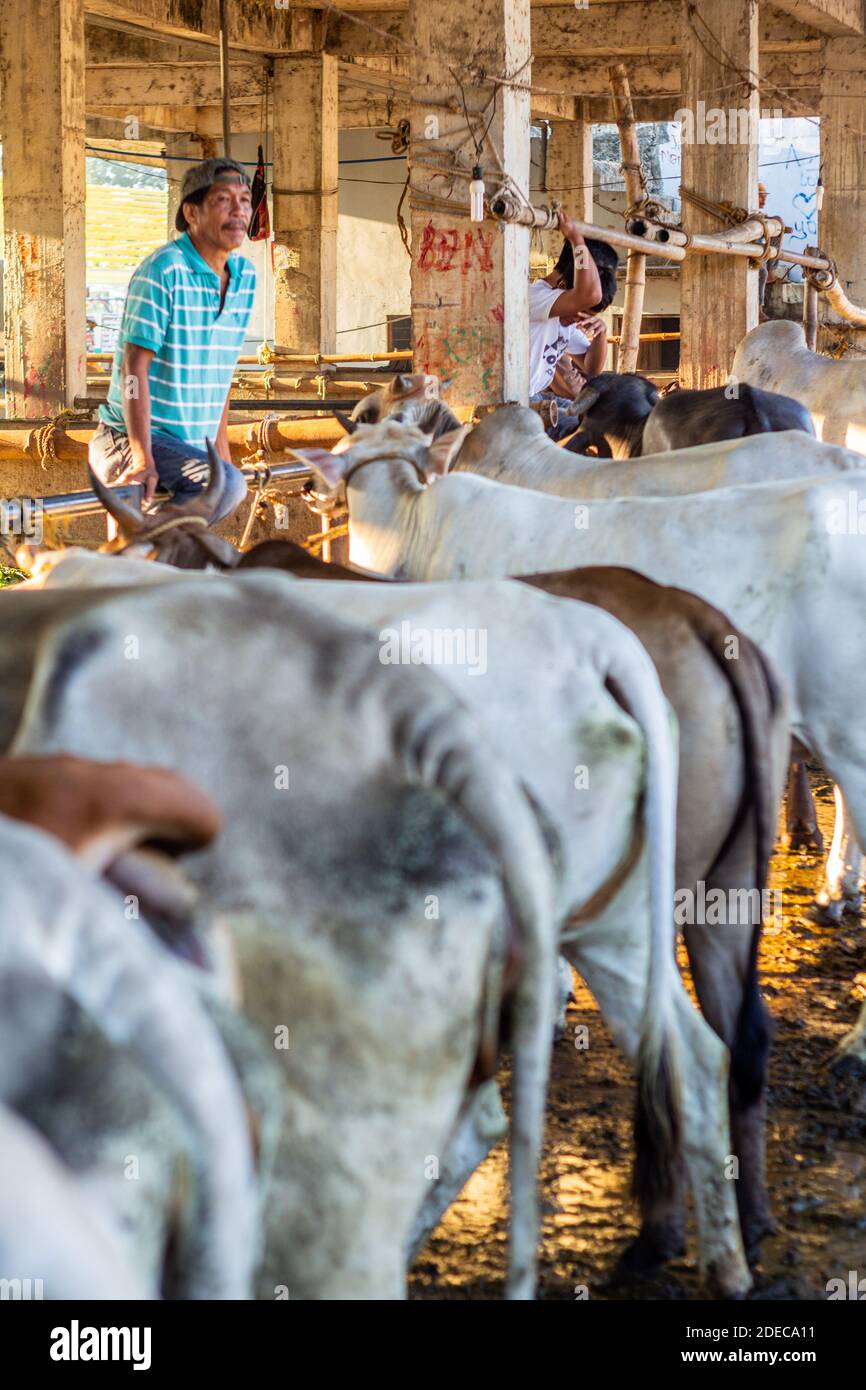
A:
658,1111
758,698
447,751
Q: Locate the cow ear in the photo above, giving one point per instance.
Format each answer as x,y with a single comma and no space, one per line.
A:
330,467
444,450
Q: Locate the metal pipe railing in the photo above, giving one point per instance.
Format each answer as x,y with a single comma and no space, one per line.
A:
72,504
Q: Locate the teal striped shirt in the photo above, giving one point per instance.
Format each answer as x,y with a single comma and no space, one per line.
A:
173,308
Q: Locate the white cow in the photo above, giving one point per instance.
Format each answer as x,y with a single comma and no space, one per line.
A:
786,561
510,623
510,446
52,1229
374,854
775,356
63,930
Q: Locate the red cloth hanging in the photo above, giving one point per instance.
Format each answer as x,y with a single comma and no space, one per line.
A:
260,224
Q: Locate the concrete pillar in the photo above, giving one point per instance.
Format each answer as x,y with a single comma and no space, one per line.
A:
719,294
843,165
569,172
469,280
306,149
181,152
569,165
42,48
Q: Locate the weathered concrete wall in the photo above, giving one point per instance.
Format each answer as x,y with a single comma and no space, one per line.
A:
469,280
372,264
43,192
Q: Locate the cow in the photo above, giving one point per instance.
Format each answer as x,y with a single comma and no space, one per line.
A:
783,560
510,446
624,416
67,940
774,356
506,698
380,871
50,1222
711,699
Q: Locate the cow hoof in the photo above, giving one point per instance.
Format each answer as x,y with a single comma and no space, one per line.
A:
729,1278
848,1066
826,911
652,1249
804,839
755,1230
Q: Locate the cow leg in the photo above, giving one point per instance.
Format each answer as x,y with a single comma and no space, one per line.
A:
727,987
850,777
851,1058
801,821
482,1122
613,964
843,872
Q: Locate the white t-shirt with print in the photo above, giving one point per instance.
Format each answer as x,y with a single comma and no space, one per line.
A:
548,338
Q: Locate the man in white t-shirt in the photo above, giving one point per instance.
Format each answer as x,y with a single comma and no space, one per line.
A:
567,339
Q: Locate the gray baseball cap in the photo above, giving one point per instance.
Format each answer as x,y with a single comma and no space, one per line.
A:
204,175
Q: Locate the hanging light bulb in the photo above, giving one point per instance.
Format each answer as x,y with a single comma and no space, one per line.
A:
476,195
820,192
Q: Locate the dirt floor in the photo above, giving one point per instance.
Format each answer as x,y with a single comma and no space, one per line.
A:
814,981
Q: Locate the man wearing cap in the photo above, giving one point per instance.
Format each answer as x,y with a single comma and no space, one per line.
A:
184,322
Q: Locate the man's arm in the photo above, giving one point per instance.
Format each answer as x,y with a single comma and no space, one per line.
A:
592,361
586,291
136,415
221,442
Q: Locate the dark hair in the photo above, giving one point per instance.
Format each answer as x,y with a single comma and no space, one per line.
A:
606,261
198,198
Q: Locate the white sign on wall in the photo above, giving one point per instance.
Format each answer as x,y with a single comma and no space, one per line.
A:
788,163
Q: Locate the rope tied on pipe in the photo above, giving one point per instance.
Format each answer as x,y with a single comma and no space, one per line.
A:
772,245
823,280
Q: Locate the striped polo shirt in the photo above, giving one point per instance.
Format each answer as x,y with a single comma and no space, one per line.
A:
173,308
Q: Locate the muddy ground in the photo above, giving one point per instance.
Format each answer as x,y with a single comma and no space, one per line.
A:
814,981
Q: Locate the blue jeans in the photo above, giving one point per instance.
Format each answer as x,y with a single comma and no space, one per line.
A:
183,470
564,427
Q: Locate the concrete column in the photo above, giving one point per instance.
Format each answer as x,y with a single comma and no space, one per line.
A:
181,152
42,63
720,161
306,147
469,280
569,165
843,162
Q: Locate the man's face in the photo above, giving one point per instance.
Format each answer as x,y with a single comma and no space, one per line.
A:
224,217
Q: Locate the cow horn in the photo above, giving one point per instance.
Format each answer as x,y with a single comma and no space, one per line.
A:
130,521
588,397
209,499
349,425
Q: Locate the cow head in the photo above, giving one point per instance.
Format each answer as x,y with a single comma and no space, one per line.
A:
412,398
389,442
612,410
175,535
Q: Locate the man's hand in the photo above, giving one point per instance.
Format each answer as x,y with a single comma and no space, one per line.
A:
142,470
568,227
591,325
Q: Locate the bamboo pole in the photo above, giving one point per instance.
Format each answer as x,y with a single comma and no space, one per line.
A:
635,188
